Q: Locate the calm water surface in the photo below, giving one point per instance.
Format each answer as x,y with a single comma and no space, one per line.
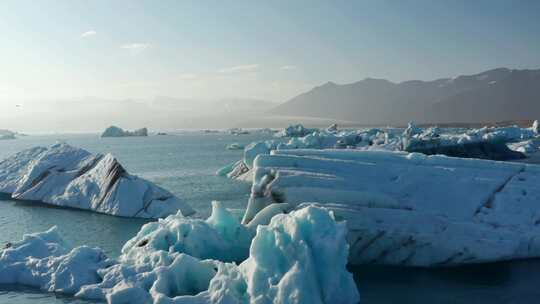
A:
185,165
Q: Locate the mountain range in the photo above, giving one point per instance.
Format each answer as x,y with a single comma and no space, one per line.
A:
496,95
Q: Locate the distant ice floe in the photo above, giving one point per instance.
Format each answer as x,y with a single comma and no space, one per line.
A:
298,258
295,131
114,131
7,134
234,146
484,143
238,131
408,209
67,176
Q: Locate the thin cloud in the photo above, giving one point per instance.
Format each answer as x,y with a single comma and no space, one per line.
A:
87,34
288,67
240,68
136,47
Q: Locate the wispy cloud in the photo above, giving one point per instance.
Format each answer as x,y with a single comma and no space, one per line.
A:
136,47
288,67
240,68
89,33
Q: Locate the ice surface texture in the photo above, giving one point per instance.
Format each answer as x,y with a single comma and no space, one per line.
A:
297,258
67,176
409,209
484,143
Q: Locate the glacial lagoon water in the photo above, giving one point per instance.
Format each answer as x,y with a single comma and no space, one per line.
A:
185,164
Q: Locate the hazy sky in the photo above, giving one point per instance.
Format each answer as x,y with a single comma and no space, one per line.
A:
259,49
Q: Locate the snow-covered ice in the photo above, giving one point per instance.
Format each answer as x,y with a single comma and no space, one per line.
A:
409,209
67,176
299,257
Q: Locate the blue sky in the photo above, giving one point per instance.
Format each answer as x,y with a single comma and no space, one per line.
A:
263,49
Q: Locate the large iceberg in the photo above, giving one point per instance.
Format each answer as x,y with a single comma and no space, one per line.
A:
298,258
408,209
67,176
114,131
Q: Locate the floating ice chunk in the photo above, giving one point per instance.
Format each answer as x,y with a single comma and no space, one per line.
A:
220,237
411,130
332,128
177,278
298,258
535,127
295,131
316,139
264,216
528,146
114,131
238,131
409,209
43,260
7,134
67,176
225,170
252,150
234,146
484,143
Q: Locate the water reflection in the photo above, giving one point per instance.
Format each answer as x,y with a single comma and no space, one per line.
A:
10,294
505,282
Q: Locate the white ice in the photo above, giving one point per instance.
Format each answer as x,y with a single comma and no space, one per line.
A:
299,257
67,176
413,139
409,209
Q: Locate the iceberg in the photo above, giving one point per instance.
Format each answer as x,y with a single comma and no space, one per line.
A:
7,134
526,147
114,131
45,261
234,146
332,128
355,139
238,131
484,143
298,257
295,131
67,176
220,237
408,208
